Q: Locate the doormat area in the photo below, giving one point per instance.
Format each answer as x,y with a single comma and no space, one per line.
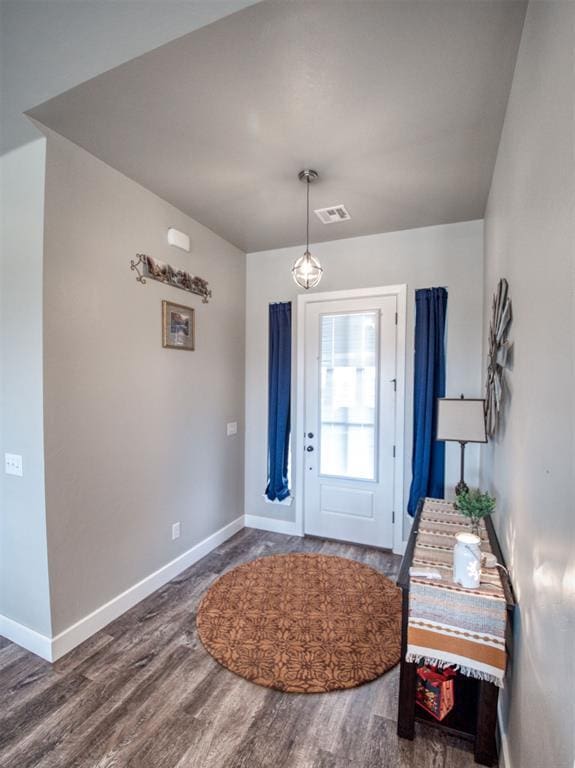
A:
303,623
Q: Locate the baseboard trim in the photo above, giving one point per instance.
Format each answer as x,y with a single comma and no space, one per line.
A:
106,613
27,638
54,648
272,524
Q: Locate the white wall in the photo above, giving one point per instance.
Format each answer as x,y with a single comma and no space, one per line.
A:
529,239
135,434
45,48
449,255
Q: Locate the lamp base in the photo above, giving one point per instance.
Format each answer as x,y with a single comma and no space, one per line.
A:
461,487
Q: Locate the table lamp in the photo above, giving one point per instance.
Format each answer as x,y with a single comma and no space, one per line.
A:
461,420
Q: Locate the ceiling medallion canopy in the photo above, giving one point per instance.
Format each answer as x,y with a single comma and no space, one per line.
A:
307,270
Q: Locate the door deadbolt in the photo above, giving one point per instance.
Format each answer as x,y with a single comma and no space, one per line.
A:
309,449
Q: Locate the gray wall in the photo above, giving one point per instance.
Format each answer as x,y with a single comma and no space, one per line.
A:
450,255
135,435
24,587
45,48
529,239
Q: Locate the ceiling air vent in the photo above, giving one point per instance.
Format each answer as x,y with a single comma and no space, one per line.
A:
332,214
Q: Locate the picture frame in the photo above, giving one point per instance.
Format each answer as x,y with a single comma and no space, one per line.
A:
178,326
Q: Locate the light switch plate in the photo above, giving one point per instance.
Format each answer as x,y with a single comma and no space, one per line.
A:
13,464
175,531
232,428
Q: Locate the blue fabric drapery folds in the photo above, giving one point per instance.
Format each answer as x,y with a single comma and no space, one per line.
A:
279,394
428,458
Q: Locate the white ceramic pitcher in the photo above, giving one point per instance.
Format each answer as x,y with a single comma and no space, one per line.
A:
467,560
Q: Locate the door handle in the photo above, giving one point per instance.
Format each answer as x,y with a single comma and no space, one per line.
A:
309,449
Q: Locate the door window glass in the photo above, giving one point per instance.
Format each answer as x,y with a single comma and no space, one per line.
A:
348,397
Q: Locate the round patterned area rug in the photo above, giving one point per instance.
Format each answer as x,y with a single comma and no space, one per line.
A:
303,623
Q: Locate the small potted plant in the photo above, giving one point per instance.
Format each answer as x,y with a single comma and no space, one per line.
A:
475,505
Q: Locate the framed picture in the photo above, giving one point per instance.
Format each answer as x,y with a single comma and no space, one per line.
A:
178,327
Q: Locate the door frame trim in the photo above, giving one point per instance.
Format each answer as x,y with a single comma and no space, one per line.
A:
400,291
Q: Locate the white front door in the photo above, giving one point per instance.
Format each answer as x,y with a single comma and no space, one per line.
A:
349,419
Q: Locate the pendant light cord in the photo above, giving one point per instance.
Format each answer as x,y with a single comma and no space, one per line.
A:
307,227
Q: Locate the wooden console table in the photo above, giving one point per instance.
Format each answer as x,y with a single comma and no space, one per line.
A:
474,716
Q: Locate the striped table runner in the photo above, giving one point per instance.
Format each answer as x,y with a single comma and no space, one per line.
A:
449,625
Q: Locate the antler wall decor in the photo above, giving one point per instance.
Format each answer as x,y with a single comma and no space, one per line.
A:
499,348
146,266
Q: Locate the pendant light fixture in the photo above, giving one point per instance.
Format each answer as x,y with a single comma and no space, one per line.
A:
307,270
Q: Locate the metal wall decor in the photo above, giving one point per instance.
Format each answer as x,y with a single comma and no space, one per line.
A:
499,348
146,266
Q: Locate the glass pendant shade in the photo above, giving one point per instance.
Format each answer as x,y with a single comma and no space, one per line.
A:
307,271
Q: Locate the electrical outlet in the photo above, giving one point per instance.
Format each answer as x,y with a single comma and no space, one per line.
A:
13,464
175,531
232,428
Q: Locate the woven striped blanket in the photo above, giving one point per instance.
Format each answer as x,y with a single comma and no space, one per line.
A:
449,625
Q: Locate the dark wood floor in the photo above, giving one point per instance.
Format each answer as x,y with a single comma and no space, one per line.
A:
144,693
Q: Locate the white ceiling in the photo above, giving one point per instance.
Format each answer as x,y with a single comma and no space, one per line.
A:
398,105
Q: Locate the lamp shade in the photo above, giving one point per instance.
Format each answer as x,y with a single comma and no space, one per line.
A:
461,420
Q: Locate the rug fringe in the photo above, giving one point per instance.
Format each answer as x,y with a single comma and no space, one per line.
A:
418,658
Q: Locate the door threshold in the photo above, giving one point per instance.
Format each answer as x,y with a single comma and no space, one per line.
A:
387,550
